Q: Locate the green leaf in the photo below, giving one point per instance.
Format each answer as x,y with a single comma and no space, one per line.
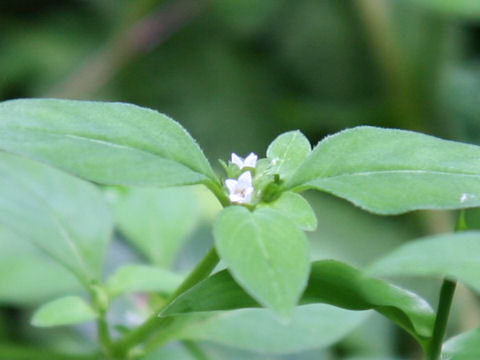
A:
389,171
295,207
311,327
287,152
465,346
64,216
458,8
449,255
68,310
330,282
157,221
41,278
111,143
142,278
266,253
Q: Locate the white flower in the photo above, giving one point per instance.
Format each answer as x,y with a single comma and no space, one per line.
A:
241,190
250,161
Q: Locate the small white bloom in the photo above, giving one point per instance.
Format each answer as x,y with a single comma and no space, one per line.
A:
241,190
250,161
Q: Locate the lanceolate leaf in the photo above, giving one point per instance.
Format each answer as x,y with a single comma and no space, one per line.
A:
451,255
68,310
64,216
330,282
393,171
111,143
266,253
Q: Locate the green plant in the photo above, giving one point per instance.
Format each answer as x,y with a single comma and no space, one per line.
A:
259,233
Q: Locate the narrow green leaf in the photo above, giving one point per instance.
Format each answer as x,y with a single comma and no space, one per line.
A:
330,282
311,327
111,143
64,216
157,221
295,207
41,278
453,256
465,346
68,310
266,253
142,278
287,152
393,171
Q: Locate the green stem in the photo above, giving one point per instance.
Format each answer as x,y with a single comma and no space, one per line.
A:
443,311
444,304
104,334
144,331
219,194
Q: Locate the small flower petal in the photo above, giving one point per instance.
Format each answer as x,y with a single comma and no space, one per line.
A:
237,160
245,180
231,185
250,160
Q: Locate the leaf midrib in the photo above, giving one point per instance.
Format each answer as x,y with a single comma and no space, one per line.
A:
109,143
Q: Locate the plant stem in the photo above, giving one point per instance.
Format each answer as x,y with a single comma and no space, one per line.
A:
144,331
444,304
443,311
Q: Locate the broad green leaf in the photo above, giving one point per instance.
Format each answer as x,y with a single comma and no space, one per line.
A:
41,278
450,255
295,207
465,346
68,310
64,216
110,143
456,8
330,282
287,152
157,221
266,253
311,326
142,278
393,171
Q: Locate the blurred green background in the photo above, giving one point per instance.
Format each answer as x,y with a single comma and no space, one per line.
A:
235,74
